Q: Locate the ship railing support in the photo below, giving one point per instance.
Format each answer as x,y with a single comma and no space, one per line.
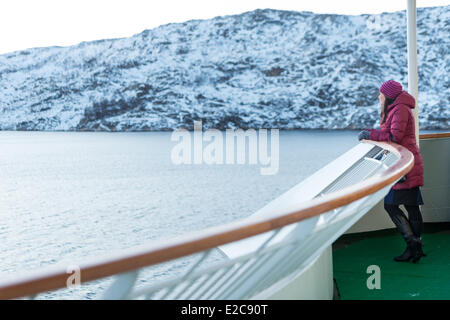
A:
258,252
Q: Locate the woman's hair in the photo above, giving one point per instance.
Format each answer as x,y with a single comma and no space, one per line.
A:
384,112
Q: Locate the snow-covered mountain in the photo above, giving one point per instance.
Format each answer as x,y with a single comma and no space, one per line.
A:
260,69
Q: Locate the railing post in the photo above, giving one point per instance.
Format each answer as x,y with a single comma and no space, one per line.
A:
121,286
411,34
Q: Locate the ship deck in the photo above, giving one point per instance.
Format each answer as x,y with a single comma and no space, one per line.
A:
429,279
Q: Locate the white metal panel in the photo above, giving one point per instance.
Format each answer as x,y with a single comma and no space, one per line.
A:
306,190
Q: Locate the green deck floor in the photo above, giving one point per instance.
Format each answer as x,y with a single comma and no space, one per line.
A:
427,279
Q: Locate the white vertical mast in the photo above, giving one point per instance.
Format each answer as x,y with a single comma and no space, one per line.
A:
412,59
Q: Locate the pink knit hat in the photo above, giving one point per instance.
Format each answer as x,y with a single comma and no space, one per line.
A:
391,89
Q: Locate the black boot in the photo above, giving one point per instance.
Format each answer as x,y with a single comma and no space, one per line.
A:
413,251
406,255
416,249
412,246
402,224
416,227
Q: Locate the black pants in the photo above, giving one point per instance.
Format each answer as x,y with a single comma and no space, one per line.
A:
408,227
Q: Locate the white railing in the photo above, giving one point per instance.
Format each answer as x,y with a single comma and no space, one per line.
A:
270,247
281,253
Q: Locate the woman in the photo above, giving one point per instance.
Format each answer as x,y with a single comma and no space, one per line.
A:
397,125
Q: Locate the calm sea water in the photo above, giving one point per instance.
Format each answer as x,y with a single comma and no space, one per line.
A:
67,196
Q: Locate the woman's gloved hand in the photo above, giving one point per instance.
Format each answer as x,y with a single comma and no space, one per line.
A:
364,135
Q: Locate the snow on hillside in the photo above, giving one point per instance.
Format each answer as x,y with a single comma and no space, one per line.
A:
260,69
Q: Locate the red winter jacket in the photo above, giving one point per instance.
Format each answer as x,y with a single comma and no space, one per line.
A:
399,128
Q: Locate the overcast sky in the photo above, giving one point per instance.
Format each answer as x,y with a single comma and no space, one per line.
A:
38,23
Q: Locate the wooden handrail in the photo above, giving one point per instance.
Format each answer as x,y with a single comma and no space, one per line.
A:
55,277
439,135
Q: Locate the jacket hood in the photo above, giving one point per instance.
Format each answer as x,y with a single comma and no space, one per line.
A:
404,98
